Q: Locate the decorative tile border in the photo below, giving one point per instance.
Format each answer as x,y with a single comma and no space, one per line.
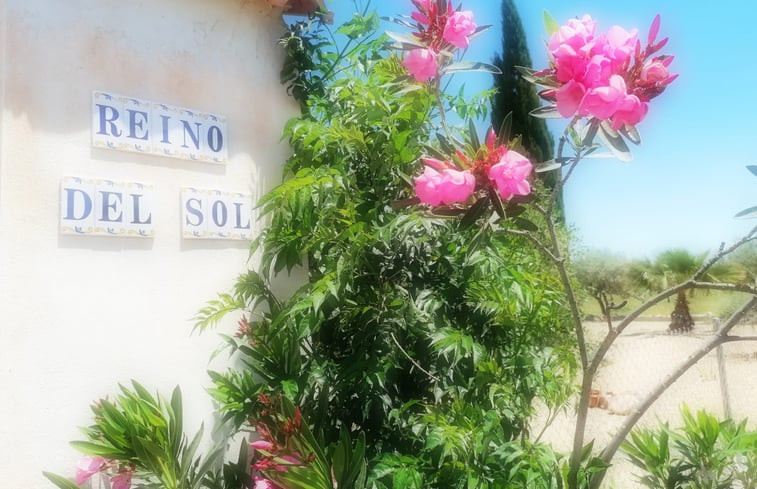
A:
102,207
215,214
141,126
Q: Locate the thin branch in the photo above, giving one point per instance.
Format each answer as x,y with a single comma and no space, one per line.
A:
718,339
429,374
542,247
724,286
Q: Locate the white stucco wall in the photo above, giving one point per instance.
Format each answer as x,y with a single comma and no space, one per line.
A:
80,314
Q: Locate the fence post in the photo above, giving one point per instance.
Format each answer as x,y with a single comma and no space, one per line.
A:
721,373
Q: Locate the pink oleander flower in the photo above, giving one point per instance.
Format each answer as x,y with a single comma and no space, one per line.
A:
510,175
576,33
602,102
619,45
122,480
459,26
444,187
263,483
569,98
630,112
87,467
421,63
291,461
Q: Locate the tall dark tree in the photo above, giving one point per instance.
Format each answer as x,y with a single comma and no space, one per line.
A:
516,95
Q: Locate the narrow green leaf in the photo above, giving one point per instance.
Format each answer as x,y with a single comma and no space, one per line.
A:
473,134
399,20
503,137
479,30
749,213
497,202
59,481
546,112
614,142
97,450
474,213
547,166
631,134
550,24
525,224
753,169
472,66
405,39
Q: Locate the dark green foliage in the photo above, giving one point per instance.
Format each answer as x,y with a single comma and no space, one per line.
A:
704,453
429,338
517,95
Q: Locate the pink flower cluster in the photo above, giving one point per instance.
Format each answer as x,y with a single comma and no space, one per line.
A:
442,183
89,466
606,76
438,29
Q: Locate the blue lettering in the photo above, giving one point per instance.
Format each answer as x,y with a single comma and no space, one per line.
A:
109,204
70,204
238,207
135,124
135,210
195,211
224,214
165,119
195,137
109,121
215,136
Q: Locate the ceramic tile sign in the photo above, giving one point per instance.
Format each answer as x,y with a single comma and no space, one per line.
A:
215,214
141,126
100,207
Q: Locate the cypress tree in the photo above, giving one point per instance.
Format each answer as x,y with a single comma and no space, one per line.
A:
516,95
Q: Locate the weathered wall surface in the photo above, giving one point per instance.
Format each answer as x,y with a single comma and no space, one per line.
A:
79,314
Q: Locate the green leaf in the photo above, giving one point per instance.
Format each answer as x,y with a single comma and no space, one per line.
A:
479,30
406,40
550,24
631,134
546,112
291,389
400,21
474,213
473,134
471,66
749,213
97,450
525,224
753,169
497,202
547,166
59,481
505,129
614,142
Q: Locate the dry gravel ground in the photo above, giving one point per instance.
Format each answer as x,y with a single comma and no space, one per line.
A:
638,360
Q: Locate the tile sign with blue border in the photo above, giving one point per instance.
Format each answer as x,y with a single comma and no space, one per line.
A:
101,207
142,126
215,214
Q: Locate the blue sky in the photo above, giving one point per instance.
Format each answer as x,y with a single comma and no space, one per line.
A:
688,177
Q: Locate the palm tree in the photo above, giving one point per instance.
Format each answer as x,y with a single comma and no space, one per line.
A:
674,266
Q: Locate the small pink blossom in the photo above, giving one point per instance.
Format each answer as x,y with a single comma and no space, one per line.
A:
122,480
87,467
656,71
445,187
421,64
263,483
569,98
459,26
262,445
510,175
630,112
602,102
